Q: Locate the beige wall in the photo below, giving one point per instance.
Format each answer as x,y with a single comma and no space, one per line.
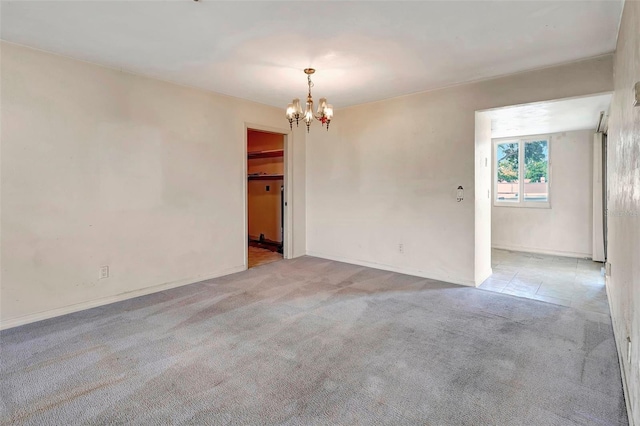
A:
386,173
567,227
101,167
623,174
264,205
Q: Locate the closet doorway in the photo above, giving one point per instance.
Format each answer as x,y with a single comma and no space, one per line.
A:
266,197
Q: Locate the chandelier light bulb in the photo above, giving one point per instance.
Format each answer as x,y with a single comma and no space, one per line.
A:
308,116
290,112
296,106
328,112
322,105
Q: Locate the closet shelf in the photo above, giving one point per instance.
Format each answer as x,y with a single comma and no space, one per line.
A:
265,177
266,154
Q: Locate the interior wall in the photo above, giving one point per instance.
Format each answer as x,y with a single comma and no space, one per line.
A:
483,199
264,206
386,173
102,167
623,205
566,228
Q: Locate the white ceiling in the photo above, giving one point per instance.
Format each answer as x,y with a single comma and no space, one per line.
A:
364,51
548,117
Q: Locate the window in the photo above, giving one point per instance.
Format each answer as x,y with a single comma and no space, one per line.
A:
522,170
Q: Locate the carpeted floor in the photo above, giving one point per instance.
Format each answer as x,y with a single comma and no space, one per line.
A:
310,341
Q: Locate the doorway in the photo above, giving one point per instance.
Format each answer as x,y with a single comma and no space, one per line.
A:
537,168
266,197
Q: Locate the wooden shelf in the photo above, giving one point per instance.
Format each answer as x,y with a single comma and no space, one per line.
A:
266,154
265,177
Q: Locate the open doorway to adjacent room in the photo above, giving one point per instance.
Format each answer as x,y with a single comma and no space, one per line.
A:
539,204
266,197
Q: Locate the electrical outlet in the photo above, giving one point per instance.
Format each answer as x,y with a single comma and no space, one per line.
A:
401,248
104,272
607,269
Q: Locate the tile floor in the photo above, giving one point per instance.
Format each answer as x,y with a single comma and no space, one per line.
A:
559,280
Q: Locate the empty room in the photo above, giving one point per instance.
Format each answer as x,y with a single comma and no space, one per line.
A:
320,212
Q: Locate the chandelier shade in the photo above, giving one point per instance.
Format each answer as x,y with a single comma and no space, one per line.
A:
294,112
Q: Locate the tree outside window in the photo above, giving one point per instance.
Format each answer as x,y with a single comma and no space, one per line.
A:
532,180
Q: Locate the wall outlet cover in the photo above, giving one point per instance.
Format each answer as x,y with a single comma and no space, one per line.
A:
104,272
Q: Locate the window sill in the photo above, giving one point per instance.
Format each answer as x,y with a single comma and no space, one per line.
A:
524,205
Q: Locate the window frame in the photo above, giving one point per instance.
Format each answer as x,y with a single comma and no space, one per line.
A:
521,141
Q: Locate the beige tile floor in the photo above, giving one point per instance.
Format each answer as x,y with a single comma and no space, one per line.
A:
560,280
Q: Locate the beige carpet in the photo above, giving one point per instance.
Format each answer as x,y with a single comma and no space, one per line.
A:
315,342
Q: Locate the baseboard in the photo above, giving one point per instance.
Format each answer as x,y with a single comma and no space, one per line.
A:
391,268
541,251
39,316
619,341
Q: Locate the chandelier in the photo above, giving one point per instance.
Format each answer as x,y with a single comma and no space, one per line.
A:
323,115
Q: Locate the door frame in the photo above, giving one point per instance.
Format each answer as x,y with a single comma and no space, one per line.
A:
605,224
287,237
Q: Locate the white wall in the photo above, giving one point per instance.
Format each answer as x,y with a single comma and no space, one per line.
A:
567,227
386,172
101,167
623,219
483,199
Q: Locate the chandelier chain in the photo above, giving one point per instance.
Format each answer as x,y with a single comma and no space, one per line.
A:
310,83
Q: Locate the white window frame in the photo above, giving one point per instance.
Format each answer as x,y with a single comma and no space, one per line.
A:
521,203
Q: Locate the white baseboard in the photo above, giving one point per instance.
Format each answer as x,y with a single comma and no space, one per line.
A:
620,345
39,316
540,250
391,268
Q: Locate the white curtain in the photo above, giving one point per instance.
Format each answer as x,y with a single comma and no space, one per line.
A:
598,215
